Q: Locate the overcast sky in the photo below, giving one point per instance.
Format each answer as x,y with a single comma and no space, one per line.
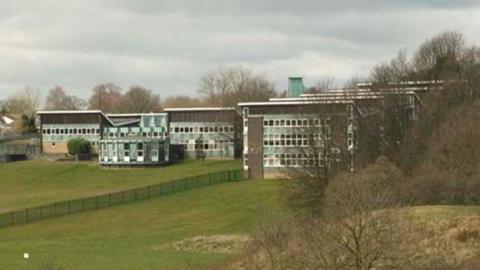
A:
168,45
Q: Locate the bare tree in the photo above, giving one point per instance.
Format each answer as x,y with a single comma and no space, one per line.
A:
24,101
181,101
322,85
57,99
228,86
438,57
140,100
106,97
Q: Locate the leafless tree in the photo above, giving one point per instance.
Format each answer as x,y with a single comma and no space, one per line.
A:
226,86
24,101
181,101
322,85
57,99
106,97
140,100
309,176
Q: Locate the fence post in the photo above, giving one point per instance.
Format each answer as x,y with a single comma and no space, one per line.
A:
69,206
96,202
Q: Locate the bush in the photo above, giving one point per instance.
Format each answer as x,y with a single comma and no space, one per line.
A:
78,146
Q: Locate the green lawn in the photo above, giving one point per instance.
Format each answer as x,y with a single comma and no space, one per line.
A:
126,237
32,183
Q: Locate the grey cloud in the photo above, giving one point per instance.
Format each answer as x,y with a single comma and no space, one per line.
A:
167,46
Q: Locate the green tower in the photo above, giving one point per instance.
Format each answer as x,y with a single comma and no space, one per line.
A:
295,86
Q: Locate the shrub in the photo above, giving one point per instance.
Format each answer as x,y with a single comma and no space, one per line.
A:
78,146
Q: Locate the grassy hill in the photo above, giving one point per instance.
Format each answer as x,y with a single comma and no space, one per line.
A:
144,235
32,183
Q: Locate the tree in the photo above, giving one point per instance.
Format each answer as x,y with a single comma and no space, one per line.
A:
106,97
28,123
78,146
310,178
181,101
57,99
140,100
24,101
228,86
438,58
322,85
199,151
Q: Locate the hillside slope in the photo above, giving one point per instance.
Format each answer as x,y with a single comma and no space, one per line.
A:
32,183
145,235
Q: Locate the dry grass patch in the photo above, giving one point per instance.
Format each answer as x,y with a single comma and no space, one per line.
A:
223,243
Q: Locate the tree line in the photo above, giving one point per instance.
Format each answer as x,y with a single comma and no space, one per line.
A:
224,86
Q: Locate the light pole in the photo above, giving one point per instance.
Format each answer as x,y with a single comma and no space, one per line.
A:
26,256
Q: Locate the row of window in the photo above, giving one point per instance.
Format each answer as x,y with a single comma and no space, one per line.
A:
205,145
293,139
135,134
297,122
211,129
71,131
300,159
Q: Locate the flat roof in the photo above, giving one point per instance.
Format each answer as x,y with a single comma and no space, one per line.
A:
199,109
69,112
294,102
77,112
133,114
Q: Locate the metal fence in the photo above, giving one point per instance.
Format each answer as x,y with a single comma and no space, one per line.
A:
116,198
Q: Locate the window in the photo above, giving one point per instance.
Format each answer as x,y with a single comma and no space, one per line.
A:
201,129
44,131
97,131
61,131
177,130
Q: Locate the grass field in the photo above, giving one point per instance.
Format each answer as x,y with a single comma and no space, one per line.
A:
128,236
32,183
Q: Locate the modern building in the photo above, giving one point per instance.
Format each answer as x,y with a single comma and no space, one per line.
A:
336,128
212,131
136,139
58,127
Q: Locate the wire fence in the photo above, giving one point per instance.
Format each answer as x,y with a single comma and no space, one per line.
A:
116,198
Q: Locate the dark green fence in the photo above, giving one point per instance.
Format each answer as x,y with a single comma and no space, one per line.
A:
116,198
